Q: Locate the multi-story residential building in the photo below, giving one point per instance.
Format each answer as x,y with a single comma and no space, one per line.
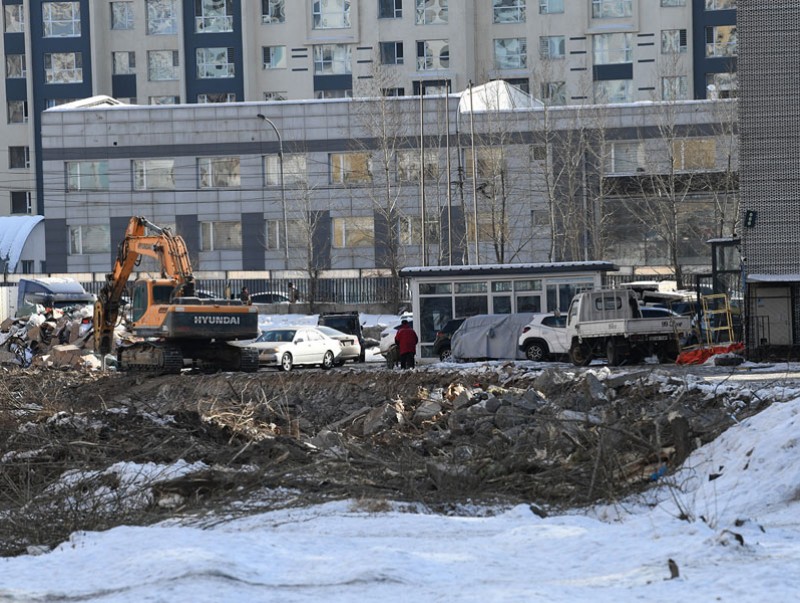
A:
209,51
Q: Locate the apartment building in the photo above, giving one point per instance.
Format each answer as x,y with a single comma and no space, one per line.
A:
152,52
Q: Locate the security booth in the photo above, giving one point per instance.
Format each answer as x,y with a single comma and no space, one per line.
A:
441,293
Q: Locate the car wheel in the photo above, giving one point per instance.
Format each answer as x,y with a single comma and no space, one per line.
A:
286,362
327,360
536,351
446,355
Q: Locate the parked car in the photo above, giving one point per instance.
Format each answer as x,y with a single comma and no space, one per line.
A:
442,343
387,346
269,297
351,348
346,322
544,337
286,347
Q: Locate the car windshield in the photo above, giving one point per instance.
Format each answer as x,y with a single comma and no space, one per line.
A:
278,335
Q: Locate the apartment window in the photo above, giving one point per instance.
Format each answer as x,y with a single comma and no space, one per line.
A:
511,53
17,111
213,63
86,238
508,11
122,15
552,47
391,53
613,91
519,82
673,41
220,235
154,174
164,100
433,54
346,168
87,175
21,202
219,172
273,57
673,2
722,85
162,65
14,18
390,9
538,152
408,163
554,93
298,230
720,4
490,162
63,68
551,7
721,41
393,91
212,16
294,170
625,158
694,154
431,12
16,66
331,14
612,48
124,62
19,157
61,19
611,9
674,87
273,11
340,93
353,231
276,95
216,97
162,17
330,59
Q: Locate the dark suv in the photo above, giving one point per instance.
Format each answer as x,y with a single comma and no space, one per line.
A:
346,322
441,345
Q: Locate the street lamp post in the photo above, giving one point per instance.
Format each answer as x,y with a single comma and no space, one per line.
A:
264,118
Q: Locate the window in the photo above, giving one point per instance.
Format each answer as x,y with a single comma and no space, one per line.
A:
216,97
391,53
273,57
540,218
511,53
332,59
673,2
538,152
673,41
122,15
721,41
722,85
612,48
154,174
273,11
347,168
14,18
611,9
21,202
490,162
17,111
161,17
341,93
220,235
89,239
63,68
554,93
431,12
294,170
433,54
27,266
276,95
211,16
164,100
298,234
551,7
408,163
331,14
390,9
219,172
720,4
162,65
16,66
124,62
393,91
213,63
625,158
61,19
19,157
674,87
552,47
613,91
87,175
353,232
490,227
694,154
508,11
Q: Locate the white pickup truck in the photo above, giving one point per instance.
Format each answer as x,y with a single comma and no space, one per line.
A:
608,323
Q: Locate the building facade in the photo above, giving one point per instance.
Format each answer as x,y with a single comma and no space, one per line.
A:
211,51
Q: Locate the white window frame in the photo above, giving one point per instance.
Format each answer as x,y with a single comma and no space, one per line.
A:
674,88
298,234
89,238
295,170
122,16
14,18
16,66
209,19
220,235
343,171
668,3
207,98
605,95
612,9
123,62
273,11
551,7
715,48
408,163
330,14
398,57
510,53
720,4
164,99
333,59
353,231
674,41
28,202
61,19
219,172
26,158
163,65
162,17
612,48
11,111
395,7
508,11
273,57
215,63
554,92
433,55
552,48
153,174
626,157
63,68
86,176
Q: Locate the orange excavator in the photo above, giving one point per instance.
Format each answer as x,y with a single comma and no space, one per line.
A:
170,323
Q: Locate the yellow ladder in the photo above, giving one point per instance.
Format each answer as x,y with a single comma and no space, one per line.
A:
717,319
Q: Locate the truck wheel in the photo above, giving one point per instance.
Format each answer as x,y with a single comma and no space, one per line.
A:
286,362
580,353
614,352
536,351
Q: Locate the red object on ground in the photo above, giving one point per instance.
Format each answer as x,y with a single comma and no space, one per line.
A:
700,355
406,340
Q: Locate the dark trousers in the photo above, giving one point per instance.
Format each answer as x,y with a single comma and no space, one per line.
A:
407,360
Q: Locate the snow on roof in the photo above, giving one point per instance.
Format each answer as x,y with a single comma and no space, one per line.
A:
497,95
14,232
530,268
89,103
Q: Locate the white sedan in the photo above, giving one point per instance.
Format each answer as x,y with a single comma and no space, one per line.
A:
286,347
351,348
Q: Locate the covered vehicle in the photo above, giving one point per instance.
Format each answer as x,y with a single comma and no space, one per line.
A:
50,292
286,347
490,337
351,348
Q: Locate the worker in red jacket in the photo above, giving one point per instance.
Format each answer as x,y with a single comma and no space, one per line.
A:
406,340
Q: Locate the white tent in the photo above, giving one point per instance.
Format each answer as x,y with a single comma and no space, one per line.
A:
497,95
17,243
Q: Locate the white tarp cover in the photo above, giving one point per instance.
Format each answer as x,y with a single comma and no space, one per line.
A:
497,95
14,231
493,336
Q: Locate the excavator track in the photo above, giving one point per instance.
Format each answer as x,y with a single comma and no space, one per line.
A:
151,358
